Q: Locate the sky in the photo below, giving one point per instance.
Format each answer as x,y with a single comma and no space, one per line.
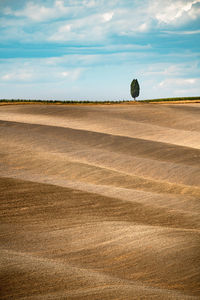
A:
93,49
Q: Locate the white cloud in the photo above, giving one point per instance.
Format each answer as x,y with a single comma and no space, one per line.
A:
184,32
107,55
187,92
97,20
179,82
168,81
171,70
59,4
87,20
38,12
73,74
107,16
90,28
89,3
65,74
162,69
170,11
65,28
17,76
38,70
143,27
100,25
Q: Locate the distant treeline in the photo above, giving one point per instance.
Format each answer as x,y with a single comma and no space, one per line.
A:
61,101
172,99
97,102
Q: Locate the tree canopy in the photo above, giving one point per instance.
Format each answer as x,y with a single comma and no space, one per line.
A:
135,88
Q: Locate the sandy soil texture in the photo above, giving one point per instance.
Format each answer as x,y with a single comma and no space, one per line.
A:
100,202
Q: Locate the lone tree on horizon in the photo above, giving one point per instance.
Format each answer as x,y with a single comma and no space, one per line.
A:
135,88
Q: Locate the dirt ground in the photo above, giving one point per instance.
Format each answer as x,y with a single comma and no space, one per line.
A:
100,202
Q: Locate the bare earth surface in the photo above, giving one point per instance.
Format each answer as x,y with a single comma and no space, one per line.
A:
100,202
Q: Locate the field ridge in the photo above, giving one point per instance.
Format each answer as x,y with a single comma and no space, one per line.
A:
100,201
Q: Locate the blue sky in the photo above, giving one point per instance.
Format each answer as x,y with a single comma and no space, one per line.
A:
92,49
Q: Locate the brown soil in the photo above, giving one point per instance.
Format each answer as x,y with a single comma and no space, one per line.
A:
100,202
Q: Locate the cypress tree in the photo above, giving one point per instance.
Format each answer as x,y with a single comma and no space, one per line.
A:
135,88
